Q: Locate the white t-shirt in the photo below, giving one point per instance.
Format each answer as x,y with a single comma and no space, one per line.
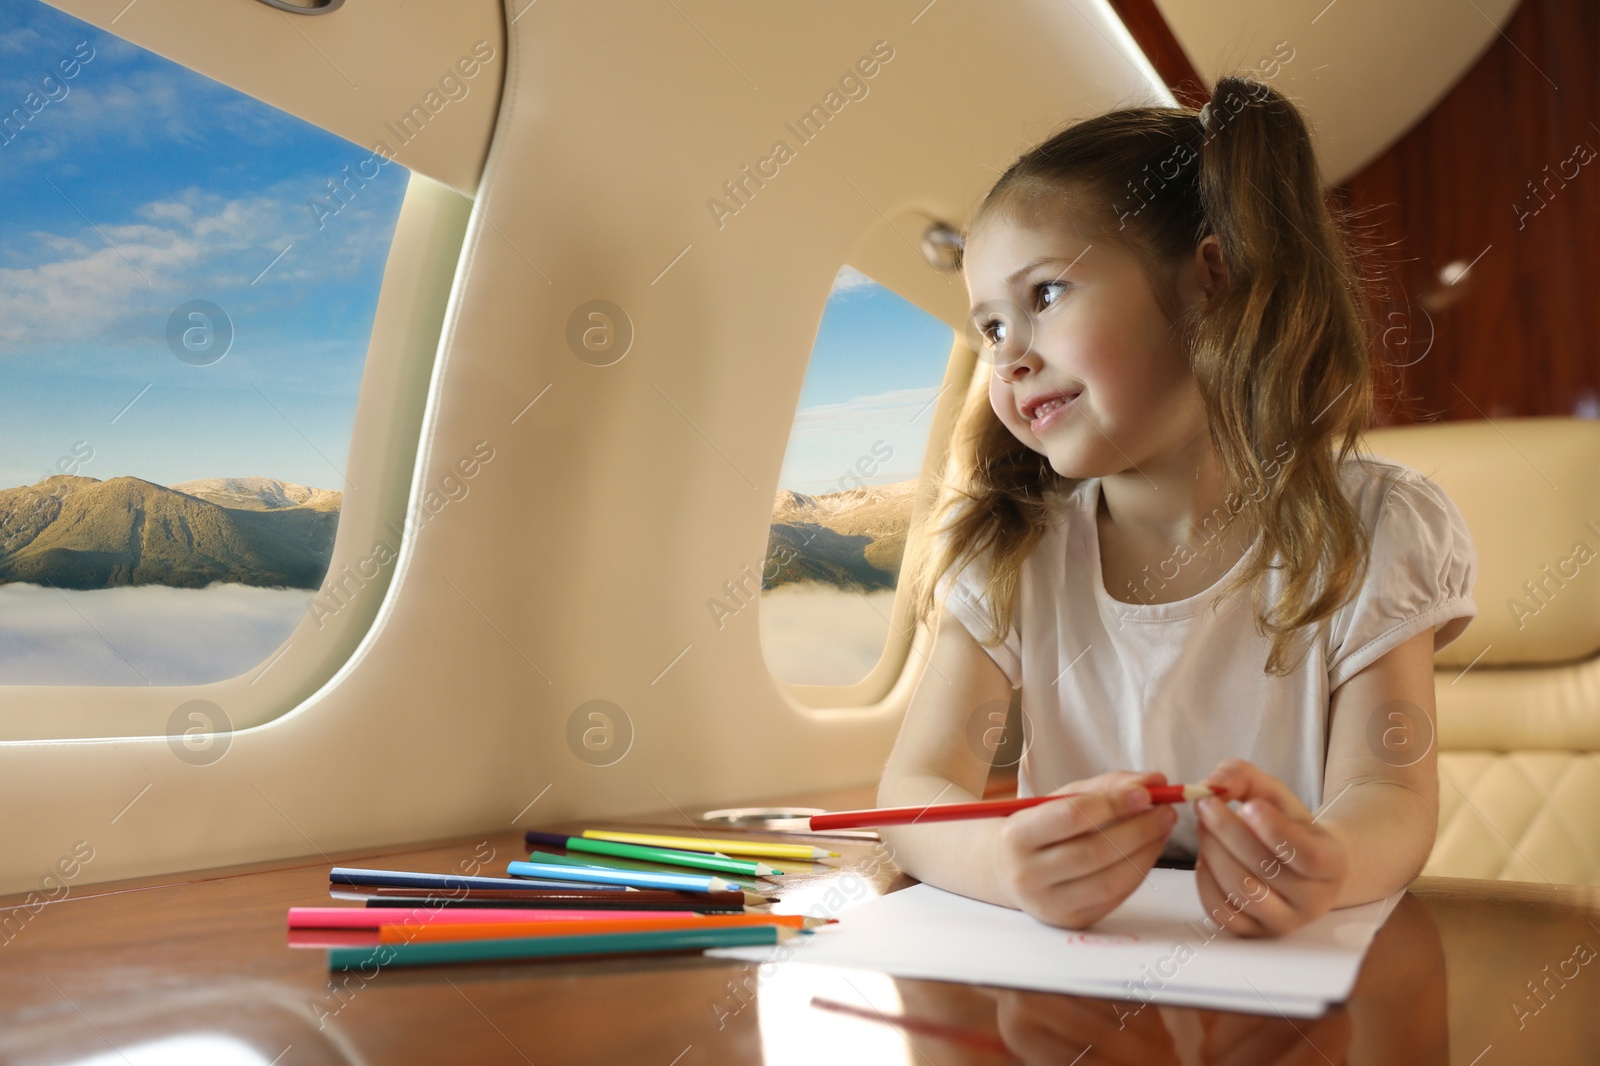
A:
1109,685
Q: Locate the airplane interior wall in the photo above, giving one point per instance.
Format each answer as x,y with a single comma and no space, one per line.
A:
610,498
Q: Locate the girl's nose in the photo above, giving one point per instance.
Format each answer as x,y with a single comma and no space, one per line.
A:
1014,362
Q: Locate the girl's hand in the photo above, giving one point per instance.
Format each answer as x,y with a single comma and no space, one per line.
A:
1070,863
1272,870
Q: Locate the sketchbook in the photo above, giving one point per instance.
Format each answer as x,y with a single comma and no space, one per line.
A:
1157,947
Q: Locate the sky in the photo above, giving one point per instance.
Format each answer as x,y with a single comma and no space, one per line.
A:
136,186
874,372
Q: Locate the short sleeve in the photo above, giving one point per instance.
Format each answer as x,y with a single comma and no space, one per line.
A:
964,595
1420,574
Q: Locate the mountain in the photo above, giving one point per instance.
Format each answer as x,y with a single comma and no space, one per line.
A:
82,533
259,493
853,539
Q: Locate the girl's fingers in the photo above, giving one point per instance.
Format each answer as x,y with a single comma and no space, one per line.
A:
1104,847
1299,849
1229,831
1112,780
1302,846
1240,780
1254,898
1082,901
1049,823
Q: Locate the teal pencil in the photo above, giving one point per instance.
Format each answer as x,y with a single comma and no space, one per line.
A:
539,947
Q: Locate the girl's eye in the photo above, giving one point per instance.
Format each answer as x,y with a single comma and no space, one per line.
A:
994,331
1050,285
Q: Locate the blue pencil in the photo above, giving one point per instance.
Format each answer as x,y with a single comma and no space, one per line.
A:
633,878
343,875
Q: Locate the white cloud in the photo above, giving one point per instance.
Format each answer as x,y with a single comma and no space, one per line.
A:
814,634
895,409
114,282
140,634
20,41
114,108
850,279
878,439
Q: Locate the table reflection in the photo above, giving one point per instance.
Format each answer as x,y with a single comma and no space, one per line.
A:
236,1023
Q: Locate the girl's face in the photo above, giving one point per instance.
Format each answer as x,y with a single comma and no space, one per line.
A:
1058,315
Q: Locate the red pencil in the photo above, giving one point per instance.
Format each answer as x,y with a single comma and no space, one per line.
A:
950,812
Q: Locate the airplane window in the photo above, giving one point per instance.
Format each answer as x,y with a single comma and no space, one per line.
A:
188,279
843,508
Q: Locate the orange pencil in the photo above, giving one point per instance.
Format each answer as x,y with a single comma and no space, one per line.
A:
396,934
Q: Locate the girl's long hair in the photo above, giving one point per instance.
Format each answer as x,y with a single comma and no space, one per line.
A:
1281,356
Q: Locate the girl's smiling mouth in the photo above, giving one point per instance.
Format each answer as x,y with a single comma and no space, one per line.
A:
1045,410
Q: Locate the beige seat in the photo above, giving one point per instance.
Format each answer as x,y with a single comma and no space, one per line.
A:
1519,690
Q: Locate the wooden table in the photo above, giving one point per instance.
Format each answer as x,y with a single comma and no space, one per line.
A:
200,961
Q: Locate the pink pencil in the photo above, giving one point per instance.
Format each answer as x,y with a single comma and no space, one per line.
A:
377,917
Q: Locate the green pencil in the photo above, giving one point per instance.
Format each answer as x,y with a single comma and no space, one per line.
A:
671,856
538,947
629,865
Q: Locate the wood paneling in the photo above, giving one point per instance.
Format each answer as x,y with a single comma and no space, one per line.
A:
1495,177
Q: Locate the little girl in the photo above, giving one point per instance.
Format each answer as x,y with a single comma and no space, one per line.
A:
1177,345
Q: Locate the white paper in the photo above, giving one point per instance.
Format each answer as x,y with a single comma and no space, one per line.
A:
1155,947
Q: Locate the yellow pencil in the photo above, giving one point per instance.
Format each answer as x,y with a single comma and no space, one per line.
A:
803,852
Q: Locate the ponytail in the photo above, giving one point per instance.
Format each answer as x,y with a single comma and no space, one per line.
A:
1282,358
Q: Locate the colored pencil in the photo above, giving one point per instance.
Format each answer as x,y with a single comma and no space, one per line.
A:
377,917
643,898
633,878
682,884
403,934
332,938
803,852
341,875
554,946
583,861
950,812
670,856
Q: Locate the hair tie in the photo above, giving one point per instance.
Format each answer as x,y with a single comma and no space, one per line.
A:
1205,115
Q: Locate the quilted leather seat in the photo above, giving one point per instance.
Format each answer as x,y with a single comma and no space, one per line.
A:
1519,690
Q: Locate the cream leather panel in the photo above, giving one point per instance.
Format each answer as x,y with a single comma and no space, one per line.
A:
1529,489
1527,816
1518,692
1364,70
360,72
